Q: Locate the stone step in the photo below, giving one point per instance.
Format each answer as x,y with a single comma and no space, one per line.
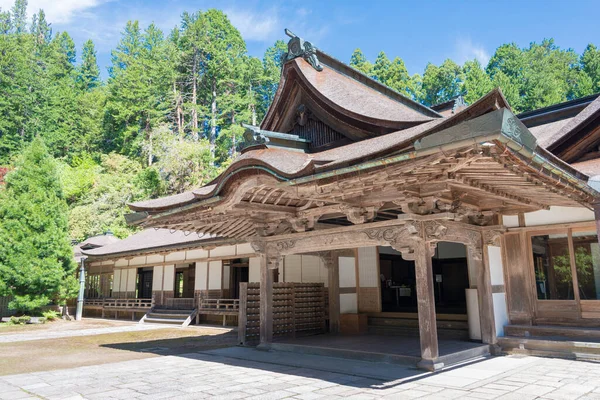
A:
568,332
167,316
409,322
569,348
165,321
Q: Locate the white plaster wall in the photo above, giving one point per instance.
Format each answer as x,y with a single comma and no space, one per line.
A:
169,282
117,280
473,314
254,270
558,215
154,259
348,303
510,221
157,278
131,278
226,274
310,269
496,268
200,282
245,248
177,256
195,254
293,268
214,275
347,272
367,267
500,312
223,251
121,262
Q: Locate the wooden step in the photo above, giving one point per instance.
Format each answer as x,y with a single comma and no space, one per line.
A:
167,316
543,346
553,331
407,322
451,334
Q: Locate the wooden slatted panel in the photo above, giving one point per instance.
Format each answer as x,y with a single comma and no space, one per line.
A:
298,309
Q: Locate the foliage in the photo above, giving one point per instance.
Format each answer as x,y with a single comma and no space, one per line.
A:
50,315
36,258
22,320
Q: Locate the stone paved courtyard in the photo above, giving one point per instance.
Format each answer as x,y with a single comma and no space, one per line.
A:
210,375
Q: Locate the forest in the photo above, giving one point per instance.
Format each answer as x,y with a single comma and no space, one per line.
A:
168,116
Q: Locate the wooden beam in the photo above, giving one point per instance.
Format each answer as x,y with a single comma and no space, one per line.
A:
266,303
333,281
266,208
426,308
484,295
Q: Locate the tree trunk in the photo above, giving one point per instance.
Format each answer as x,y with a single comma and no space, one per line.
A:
178,111
213,122
195,99
233,143
149,135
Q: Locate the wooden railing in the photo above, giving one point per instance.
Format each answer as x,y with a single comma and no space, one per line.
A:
219,305
180,303
128,303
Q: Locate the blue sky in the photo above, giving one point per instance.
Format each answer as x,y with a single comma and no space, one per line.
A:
418,31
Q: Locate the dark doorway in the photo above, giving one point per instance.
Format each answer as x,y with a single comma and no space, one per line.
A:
239,273
185,281
144,288
450,279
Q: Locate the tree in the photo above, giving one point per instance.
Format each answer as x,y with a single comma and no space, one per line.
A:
442,83
477,83
359,62
590,63
89,73
36,258
19,17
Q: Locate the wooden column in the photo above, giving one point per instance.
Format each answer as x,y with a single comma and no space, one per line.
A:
484,293
426,307
333,274
266,302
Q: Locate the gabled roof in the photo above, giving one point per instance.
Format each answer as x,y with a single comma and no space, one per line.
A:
94,242
291,164
350,102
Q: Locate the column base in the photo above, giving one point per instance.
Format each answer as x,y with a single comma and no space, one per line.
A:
430,365
264,346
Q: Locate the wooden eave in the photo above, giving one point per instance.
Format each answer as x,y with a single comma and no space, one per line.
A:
486,165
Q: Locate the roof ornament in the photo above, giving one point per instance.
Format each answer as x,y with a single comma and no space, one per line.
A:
298,47
253,139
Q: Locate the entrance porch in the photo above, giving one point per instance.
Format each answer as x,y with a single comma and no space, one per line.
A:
381,348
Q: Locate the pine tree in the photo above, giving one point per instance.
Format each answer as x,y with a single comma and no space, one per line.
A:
359,62
477,82
19,17
89,73
36,258
590,62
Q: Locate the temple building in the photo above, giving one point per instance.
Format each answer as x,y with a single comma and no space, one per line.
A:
465,229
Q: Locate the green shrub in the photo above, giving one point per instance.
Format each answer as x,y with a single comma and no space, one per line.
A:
22,320
50,315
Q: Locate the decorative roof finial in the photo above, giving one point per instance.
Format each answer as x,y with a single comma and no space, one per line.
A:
298,47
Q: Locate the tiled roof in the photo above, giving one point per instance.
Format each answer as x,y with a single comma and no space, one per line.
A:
149,239
580,120
589,167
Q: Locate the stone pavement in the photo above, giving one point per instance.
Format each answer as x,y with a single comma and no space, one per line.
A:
43,335
202,375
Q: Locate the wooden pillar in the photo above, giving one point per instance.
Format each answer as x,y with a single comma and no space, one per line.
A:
481,264
333,279
426,307
266,302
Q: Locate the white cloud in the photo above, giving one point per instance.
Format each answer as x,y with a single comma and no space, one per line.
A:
255,25
57,11
467,50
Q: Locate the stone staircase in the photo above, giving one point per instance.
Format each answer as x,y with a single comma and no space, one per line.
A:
169,316
577,343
